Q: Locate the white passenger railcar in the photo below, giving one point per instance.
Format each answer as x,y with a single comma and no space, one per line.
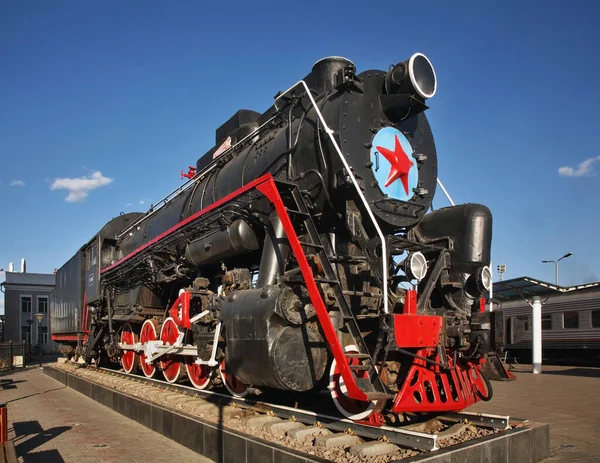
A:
570,320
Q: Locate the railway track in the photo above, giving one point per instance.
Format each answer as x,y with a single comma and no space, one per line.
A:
321,434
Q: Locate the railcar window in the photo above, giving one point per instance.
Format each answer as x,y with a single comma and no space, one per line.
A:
94,255
525,320
547,322
571,320
595,318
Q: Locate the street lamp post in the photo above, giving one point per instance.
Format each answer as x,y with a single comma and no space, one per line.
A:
568,254
39,317
29,322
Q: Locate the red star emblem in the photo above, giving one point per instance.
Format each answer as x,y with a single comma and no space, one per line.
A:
400,163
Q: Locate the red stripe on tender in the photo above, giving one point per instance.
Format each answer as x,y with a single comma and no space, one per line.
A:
191,218
67,337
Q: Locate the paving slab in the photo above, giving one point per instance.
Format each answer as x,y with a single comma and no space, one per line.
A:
51,423
564,397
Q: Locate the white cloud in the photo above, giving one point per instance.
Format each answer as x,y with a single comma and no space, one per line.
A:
129,204
141,201
79,187
17,183
583,168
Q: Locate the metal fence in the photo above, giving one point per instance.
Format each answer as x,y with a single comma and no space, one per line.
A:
14,355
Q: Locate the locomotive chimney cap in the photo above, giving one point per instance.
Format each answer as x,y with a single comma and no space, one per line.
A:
334,58
416,75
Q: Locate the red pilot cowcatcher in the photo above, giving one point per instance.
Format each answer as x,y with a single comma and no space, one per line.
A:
428,387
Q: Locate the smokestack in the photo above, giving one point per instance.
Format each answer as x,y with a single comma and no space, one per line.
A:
23,266
11,267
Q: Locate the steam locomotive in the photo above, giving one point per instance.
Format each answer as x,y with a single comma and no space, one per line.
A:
302,254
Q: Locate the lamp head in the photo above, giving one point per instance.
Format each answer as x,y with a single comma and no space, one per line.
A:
39,316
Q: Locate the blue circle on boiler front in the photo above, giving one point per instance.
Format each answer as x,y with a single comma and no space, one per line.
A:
402,172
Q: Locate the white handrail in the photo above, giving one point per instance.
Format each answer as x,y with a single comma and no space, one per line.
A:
360,193
445,192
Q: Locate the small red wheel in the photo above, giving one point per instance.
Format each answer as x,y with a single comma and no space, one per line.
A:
129,358
148,333
199,375
171,365
232,384
351,408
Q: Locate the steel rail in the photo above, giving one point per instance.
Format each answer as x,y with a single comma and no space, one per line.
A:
480,419
399,436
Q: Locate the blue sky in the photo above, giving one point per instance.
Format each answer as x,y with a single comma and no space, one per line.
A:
126,94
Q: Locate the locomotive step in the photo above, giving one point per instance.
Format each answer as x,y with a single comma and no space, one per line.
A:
326,280
295,279
352,355
360,367
294,211
311,245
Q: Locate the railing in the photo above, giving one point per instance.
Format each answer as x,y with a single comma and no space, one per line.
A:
14,355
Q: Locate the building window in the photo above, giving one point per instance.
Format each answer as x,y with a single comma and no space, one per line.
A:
26,334
546,322
43,335
26,304
595,318
571,320
42,304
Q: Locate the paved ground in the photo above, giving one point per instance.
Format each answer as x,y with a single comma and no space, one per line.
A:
53,424
565,397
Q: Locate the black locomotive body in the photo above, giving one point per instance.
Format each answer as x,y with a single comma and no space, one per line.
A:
300,254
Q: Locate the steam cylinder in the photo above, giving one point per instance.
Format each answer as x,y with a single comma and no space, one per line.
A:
280,354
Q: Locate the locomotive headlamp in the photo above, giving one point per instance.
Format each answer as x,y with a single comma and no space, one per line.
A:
484,279
479,282
414,76
416,266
